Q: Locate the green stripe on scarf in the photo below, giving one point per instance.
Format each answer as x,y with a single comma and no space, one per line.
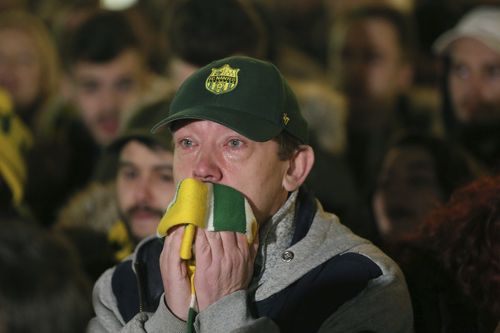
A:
229,209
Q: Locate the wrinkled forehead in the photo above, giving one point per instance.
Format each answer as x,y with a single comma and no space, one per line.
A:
184,125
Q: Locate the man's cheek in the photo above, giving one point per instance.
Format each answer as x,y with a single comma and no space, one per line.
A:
179,172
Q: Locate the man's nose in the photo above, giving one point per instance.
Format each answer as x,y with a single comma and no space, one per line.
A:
109,100
207,167
142,190
475,84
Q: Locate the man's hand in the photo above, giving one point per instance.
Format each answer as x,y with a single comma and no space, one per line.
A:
224,264
174,274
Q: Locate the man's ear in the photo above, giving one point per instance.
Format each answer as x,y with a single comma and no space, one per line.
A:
299,167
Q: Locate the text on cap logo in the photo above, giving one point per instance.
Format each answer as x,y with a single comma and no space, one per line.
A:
222,80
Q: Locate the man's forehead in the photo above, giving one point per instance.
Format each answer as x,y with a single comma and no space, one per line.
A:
187,124
474,47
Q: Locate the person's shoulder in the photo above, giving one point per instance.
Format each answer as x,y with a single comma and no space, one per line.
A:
102,294
336,235
377,290
341,241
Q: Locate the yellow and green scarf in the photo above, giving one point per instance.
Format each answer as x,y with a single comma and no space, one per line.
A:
214,207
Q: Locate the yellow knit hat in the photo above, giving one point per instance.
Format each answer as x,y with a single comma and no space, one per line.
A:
15,138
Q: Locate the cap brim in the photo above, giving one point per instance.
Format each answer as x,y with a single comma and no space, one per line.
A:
442,44
254,128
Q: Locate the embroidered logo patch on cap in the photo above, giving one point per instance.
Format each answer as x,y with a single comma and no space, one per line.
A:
222,80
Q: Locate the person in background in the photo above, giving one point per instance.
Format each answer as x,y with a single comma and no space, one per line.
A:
372,64
452,264
29,66
15,140
121,213
199,32
471,106
144,179
109,79
419,173
296,47
30,73
109,73
42,286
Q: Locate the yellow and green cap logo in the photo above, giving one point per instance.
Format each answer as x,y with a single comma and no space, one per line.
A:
222,80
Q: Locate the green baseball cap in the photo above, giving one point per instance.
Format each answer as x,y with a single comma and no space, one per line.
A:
247,95
138,127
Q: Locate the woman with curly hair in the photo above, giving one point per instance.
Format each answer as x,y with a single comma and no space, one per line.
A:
453,265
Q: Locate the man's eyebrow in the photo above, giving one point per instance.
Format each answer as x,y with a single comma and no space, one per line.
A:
88,83
492,64
87,80
125,163
163,167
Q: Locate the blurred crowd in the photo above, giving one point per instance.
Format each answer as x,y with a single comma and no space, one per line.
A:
402,98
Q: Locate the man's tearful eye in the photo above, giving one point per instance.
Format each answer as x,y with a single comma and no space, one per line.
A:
186,143
235,143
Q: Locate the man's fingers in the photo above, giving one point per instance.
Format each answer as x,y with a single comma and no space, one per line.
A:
175,274
229,241
173,240
171,251
202,246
